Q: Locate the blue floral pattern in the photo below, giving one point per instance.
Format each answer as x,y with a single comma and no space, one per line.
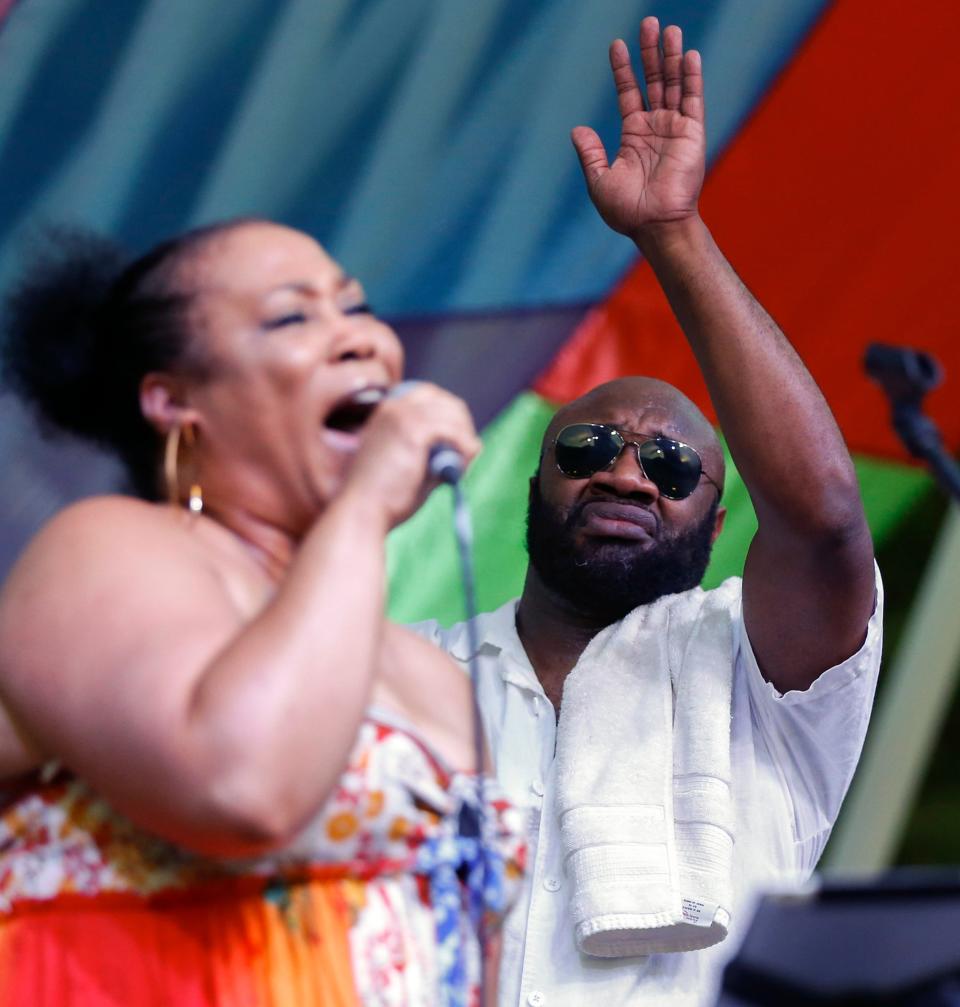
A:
467,879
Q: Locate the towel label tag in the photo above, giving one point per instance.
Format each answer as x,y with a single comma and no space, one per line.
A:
698,913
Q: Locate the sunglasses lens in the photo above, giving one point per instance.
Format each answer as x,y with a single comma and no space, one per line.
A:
585,448
673,466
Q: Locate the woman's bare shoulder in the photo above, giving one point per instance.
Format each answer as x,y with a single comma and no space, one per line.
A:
94,536
107,560
109,515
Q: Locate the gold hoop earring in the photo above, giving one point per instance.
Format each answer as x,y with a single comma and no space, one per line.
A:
171,463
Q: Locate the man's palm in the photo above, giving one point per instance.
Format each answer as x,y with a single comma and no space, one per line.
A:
658,171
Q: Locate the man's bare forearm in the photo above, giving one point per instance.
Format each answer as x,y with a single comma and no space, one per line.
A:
781,432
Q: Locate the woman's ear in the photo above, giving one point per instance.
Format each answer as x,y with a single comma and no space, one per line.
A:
163,403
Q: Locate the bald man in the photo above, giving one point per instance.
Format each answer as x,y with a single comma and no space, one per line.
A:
624,509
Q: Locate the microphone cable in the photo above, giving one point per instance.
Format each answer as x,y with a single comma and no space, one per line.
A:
446,465
463,533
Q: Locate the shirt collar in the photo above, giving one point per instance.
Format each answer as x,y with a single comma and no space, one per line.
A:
497,637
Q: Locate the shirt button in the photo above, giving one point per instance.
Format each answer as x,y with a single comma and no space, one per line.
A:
536,999
552,884
537,788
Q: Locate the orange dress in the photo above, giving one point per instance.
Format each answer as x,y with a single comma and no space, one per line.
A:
375,903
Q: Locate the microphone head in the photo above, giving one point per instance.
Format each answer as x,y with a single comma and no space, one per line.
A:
905,374
402,388
446,464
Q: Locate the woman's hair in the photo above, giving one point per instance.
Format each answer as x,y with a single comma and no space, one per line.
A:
83,327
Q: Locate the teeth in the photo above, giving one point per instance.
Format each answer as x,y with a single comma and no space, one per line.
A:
353,411
368,396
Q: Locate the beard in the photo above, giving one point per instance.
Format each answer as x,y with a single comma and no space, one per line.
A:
607,578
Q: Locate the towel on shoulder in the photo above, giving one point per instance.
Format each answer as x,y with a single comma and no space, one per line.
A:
643,778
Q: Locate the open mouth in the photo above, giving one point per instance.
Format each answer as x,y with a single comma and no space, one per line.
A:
350,413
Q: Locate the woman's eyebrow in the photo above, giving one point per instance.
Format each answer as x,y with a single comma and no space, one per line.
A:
309,289
296,286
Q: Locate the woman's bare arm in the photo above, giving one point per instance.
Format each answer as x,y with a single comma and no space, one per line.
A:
122,655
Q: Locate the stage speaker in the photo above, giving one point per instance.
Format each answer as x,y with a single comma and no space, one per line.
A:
893,941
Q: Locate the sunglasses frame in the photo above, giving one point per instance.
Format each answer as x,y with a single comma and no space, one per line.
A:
618,437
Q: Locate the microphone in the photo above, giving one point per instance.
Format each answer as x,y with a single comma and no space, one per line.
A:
905,374
445,462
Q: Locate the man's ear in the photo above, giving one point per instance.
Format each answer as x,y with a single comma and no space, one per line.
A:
534,480
718,523
163,402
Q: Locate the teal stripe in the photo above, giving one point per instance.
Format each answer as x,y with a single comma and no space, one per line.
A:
427,143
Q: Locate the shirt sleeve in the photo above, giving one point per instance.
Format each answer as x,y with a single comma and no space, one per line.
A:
815,736
430,630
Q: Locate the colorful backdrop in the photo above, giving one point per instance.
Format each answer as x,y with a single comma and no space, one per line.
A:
425,142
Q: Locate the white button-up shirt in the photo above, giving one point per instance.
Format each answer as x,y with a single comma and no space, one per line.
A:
792,757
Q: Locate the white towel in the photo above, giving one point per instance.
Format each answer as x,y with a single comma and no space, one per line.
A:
643,778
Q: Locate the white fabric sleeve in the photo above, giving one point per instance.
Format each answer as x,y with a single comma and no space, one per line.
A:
430,630
816,736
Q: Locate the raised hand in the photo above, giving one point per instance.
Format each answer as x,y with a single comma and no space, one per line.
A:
658,171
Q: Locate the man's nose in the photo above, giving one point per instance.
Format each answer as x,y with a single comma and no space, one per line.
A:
626,477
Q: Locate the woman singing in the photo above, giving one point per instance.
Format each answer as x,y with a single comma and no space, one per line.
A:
251,788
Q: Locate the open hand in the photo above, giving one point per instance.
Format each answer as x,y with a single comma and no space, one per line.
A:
658,171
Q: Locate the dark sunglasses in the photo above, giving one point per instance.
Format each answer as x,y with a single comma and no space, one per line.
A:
672,466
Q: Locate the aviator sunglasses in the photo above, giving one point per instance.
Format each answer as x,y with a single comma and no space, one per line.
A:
582,449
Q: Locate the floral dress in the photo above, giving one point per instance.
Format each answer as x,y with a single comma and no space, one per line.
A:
376,902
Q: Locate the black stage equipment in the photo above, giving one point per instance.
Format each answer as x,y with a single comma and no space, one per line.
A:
906,375
892,941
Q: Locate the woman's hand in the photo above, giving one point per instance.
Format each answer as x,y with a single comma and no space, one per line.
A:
657,174
391,467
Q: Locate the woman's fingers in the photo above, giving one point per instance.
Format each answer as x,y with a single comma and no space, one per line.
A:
391,465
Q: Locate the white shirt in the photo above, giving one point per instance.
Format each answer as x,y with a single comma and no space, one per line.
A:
792,757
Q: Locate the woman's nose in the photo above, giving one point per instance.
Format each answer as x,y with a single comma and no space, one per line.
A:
353,342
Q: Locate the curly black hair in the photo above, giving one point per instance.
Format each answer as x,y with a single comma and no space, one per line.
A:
83,326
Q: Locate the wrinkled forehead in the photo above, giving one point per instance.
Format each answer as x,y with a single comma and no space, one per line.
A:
649,414
649,419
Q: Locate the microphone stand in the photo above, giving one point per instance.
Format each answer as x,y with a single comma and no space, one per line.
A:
906,375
